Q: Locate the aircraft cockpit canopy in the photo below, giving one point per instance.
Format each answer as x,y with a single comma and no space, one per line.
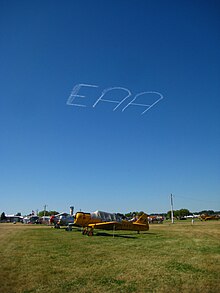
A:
106,217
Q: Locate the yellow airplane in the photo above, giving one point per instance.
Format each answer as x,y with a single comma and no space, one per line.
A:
107,221
206,217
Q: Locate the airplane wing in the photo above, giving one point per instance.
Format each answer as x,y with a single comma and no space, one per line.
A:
106,225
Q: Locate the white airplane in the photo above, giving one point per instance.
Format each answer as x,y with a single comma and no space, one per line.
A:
62,219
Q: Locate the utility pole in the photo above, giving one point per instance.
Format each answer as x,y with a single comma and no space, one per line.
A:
171,203
45,206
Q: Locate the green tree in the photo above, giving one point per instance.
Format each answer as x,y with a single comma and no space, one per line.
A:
168,215
47,213
51,213
3,216
207,212
43,213
184,212
179,213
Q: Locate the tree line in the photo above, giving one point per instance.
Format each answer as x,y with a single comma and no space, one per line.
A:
176,213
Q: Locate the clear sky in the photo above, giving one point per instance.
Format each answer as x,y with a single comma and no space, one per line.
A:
95,158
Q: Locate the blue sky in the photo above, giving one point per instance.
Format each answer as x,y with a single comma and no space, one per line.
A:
93,157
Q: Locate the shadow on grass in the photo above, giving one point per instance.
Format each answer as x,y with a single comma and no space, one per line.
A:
115,235
104,234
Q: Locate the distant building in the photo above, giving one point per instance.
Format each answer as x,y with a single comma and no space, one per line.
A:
13,218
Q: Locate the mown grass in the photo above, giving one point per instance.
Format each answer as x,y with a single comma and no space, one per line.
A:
168,258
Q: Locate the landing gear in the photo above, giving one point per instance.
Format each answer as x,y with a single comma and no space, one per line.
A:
87,231
69,228
90,233
84,231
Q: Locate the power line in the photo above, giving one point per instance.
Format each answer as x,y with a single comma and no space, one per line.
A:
196,199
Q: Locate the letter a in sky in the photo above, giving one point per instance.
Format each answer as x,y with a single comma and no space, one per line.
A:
112,101
144,105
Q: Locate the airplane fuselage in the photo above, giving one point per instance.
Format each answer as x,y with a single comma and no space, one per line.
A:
88,220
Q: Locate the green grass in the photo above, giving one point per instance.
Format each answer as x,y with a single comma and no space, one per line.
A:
168,258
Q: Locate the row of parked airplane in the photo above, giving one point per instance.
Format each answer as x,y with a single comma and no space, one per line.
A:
100,220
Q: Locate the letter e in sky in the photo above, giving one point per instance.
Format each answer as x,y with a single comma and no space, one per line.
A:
74,94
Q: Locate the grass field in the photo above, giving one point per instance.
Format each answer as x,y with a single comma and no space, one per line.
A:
168,258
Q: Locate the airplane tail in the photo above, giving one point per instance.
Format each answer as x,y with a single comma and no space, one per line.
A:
143,219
